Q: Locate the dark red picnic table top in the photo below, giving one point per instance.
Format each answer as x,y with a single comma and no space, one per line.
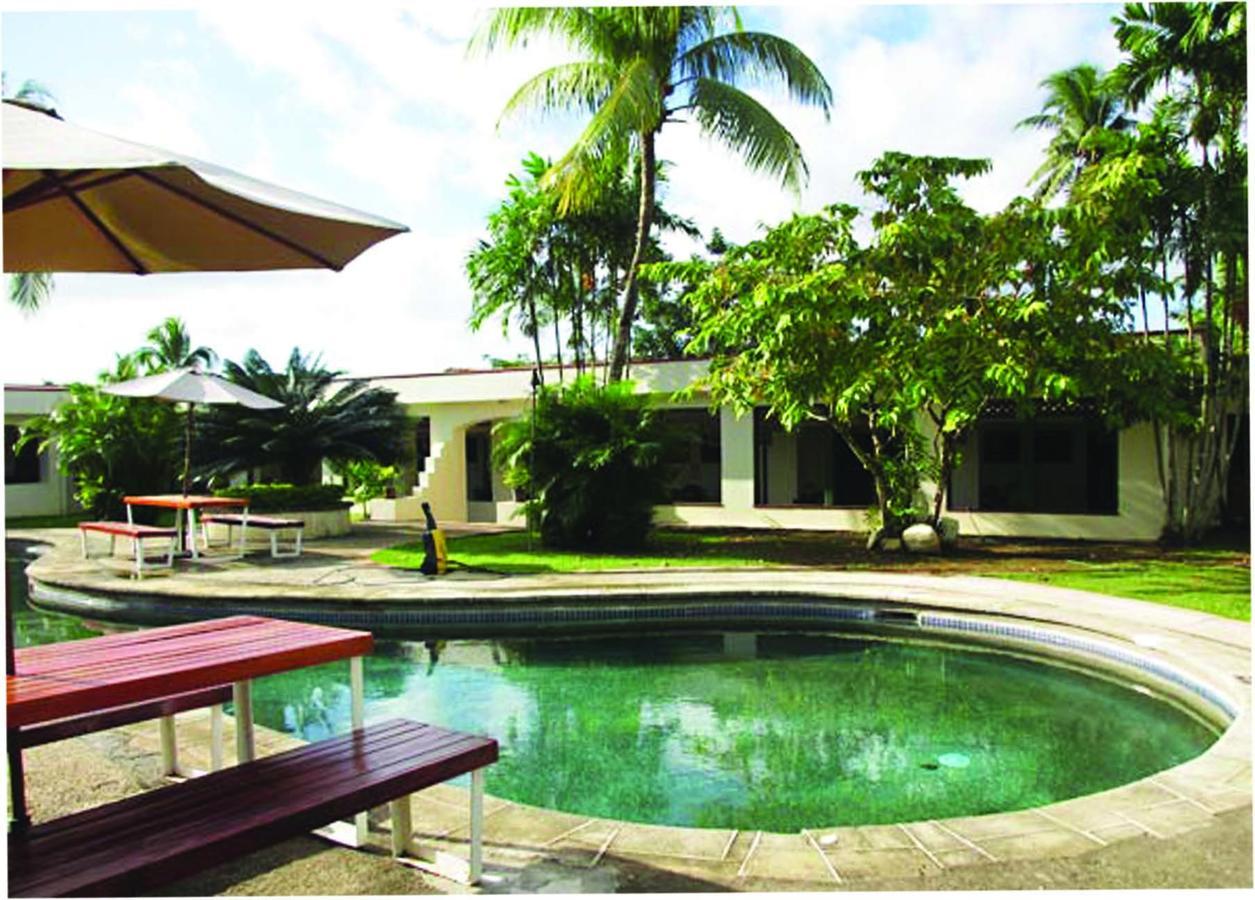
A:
76,677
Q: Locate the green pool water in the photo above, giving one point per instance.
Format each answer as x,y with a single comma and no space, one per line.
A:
750,731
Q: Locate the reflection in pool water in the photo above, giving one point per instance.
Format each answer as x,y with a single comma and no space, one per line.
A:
774,732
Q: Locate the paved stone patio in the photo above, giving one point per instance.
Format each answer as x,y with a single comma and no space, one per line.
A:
1161,809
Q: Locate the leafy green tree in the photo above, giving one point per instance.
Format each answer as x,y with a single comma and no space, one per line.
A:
170,347
1163,213
323,418
941,312
365,479
111,446
592,463
560,271
30,290
1081,104
666,327
645,66
506,271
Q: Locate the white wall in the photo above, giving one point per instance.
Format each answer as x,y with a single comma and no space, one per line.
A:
52,495
455,401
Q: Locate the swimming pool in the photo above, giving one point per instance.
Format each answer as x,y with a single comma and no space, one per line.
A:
775,731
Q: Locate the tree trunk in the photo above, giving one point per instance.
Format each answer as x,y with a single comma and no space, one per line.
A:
531,311
645,218
943,476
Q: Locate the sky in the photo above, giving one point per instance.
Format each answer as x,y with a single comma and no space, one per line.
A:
377,106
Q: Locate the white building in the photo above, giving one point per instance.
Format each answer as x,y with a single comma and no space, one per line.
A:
32,484
1059,475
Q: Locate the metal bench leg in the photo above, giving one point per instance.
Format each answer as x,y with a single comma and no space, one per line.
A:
357,690
215,737
138,546
191,533
441,862
477,826
402,825
242,696
169,746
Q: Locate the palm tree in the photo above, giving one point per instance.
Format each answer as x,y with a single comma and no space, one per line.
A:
170,347
1203,42
1081,108
324,417
29,290
646,66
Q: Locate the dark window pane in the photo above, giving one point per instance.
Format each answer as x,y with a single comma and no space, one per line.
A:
1072,467
852,483
1052,445
22,467
694,457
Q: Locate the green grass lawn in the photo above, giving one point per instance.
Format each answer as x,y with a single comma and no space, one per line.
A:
508,552
1222,589
1214,579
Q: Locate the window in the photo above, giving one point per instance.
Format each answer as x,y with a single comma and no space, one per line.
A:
422,443
1053,463
694,466
810,466
479,464
22,467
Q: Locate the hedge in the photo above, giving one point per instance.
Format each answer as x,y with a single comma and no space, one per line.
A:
277,497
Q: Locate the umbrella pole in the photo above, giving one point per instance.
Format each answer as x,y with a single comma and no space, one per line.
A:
187,448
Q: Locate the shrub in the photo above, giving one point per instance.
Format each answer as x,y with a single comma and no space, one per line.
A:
364,480
276,497
595,468
111,446
323,418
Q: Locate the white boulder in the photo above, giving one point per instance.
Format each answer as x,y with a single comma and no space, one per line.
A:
921,538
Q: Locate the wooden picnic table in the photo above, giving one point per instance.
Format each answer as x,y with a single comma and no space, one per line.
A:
185,506
73,678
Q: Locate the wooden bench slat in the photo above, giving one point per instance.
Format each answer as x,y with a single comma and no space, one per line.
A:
128,529
144,841
252,521
135,815
73,726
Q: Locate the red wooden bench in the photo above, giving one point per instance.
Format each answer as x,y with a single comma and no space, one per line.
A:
271,524
137,533
142,842
163,708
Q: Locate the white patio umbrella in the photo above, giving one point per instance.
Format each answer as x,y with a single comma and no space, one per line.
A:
77,200
190,386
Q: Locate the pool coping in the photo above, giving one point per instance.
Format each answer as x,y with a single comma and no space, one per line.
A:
1211,651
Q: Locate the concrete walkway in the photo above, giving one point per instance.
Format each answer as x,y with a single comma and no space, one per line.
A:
1187,827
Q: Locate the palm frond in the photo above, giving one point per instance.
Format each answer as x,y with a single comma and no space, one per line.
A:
633,107
743,58
579,85
514,26
748,128
29,290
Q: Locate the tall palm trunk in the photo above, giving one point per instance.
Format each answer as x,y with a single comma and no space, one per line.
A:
644,219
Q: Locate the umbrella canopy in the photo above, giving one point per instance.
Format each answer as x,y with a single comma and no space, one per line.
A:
77,200
191,386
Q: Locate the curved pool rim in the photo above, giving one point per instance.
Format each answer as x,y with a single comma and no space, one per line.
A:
1197,659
